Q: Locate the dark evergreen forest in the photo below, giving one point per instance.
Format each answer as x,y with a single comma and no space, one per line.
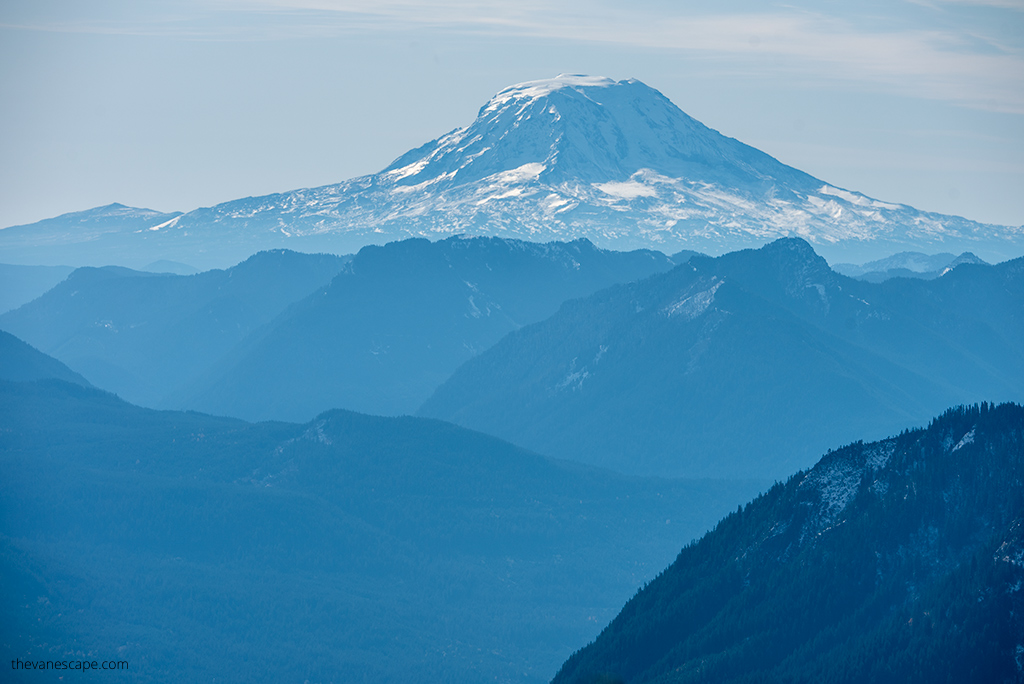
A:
894,561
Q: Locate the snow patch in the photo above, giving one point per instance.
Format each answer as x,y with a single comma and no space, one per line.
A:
554,204
626,190
855,198
965,440
838,486
878,455
317,434
1008,554
694,305
167,224
574,378
821,294
520,174
514,192
836,482
406,171
533,90
474,310
420,187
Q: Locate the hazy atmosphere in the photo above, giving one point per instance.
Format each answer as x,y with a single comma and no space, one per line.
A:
456,342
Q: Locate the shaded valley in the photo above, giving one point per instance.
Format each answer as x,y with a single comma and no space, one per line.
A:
351,548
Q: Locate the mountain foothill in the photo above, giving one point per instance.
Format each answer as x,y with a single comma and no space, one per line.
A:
440,423
727,372
348,548
900,560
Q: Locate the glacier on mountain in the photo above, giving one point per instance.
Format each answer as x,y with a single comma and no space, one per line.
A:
574,157
612,161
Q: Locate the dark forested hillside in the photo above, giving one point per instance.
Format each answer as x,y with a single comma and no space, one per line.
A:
747,364
964,330
349,549
20,361
142,335
400,318
895,561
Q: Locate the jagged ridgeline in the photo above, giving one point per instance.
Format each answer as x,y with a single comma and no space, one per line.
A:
754,362
896,561
285,335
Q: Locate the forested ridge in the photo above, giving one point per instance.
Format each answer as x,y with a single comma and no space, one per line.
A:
895,561
352,548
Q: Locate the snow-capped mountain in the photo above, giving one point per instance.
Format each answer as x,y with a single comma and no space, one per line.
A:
111,234
577,156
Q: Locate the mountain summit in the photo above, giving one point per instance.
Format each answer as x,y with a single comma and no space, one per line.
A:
575,129
573,157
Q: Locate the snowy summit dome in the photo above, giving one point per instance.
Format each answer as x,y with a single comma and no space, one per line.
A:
533,90
577,156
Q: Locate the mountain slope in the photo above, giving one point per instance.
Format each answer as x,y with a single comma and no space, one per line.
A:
907,265
565,158
141,335
20,361
111,234
399,320
900,560
351,548
964,331
613,161
746,364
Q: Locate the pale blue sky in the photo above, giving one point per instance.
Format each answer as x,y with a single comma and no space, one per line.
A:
176,105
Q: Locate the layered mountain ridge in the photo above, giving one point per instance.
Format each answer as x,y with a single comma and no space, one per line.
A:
352,548
571,157
399,320
110,234
752,362
907,265
142,334
285,335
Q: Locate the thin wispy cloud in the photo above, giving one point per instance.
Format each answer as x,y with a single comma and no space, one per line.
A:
965,66
1002,4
